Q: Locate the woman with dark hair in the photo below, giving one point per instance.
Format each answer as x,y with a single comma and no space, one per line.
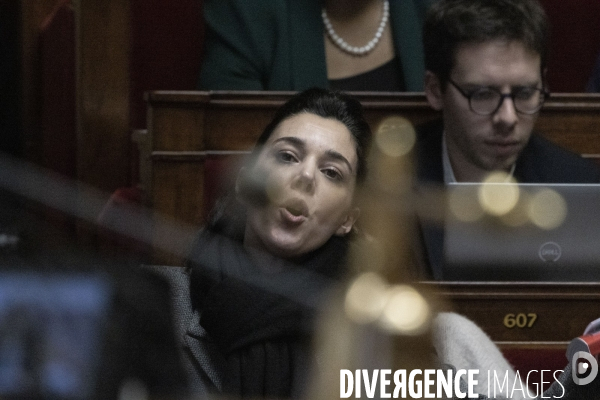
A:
260,268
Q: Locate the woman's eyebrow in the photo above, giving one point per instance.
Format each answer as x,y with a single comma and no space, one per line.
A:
338,156
292,140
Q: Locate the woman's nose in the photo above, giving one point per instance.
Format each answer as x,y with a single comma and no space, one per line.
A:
305,178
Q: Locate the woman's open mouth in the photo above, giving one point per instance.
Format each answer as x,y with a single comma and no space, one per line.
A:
294,211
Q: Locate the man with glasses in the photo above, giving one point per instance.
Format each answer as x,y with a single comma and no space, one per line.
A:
486,63
485,67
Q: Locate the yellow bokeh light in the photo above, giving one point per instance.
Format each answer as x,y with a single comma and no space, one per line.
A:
498,194
366,298
395,136
406,311
547,209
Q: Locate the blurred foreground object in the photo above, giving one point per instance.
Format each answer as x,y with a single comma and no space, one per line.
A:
73,324
379,320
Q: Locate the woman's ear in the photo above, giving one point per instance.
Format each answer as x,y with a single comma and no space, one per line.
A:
348,222
433,91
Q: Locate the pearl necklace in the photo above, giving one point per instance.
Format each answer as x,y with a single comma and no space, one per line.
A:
357,51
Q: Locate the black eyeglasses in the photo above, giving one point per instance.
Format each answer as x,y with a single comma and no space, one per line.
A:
487,100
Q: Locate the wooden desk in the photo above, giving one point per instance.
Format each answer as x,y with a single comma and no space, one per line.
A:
512,313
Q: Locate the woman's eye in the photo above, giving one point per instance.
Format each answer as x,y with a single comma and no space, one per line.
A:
332,174
286,156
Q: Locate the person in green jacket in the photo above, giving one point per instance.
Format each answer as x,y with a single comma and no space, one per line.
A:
355,45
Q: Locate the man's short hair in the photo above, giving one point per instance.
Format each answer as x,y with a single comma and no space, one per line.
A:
450,23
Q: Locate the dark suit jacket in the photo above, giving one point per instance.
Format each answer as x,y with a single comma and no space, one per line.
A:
540,162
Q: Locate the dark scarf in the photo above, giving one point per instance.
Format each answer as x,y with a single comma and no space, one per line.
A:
261,316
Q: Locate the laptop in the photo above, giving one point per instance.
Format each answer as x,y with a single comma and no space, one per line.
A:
522,232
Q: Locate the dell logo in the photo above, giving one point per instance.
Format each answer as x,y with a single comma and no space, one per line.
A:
550,252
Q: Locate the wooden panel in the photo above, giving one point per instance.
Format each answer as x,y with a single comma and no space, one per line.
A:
176,179
103,137
226,133
33,15
552,314
574,42
11,139
180,128
57,57
235,119
167,40
573,121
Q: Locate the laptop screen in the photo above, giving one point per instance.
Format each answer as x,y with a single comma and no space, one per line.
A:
525,232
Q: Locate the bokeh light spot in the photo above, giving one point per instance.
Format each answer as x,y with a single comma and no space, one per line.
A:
547,209
406,311
498,194
395,136
365,298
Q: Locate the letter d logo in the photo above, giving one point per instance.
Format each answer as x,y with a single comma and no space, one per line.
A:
580,368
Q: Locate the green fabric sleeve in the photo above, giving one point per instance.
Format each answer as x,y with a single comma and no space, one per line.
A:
240,38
